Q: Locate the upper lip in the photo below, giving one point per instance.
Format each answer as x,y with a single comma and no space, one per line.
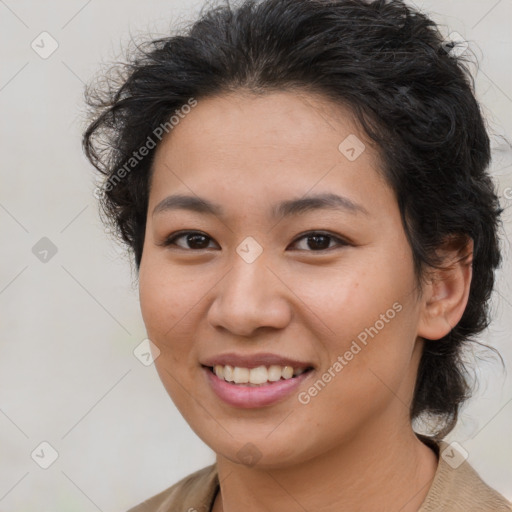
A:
254,360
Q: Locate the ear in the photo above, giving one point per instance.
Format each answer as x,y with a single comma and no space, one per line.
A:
446,291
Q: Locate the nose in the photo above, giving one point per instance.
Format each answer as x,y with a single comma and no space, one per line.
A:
250,297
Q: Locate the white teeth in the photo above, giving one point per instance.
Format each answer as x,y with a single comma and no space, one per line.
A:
240,375
228,373
274,373
287,372
259,375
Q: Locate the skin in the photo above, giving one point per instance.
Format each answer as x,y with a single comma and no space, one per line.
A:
352,444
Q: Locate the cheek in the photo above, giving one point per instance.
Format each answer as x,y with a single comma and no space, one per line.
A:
376,367
371,315
167,295
351,296
155,301
164,305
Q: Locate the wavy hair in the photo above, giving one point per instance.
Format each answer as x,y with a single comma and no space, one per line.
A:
410,92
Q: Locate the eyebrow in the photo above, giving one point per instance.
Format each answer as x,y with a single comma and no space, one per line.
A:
288,208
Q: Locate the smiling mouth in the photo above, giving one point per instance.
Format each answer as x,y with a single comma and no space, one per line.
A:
256,377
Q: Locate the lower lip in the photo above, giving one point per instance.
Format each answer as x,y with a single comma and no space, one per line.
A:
248,397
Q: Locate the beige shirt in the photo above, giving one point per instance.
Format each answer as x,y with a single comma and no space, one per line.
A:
454,489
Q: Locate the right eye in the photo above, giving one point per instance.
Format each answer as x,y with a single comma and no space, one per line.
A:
195,240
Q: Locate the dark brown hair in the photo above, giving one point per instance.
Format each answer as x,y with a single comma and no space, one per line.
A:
388,63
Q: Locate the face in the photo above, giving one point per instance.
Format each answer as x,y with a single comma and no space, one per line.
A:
325,286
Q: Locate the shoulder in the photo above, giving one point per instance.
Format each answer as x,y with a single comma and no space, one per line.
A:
195,492
458,487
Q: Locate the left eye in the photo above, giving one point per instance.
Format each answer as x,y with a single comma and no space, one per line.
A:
316,241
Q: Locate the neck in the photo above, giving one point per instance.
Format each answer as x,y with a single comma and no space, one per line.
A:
388,469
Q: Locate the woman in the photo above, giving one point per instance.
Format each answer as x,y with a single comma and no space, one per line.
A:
303,186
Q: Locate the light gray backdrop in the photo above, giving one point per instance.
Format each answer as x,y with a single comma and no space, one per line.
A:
69,312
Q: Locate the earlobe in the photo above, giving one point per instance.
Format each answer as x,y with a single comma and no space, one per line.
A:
446,291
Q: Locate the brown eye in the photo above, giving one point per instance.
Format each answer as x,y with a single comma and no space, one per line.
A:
193,240
318,241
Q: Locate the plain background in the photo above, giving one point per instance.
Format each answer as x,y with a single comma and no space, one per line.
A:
69,325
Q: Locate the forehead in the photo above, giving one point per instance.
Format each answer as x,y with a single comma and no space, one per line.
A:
280,120
242,144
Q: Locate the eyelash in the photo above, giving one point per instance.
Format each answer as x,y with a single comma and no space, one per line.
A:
169,241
